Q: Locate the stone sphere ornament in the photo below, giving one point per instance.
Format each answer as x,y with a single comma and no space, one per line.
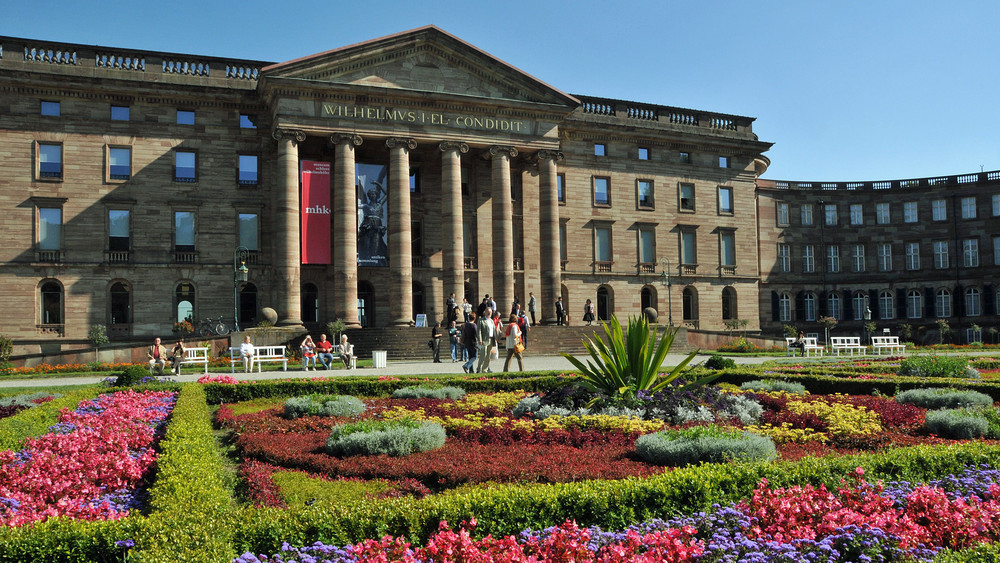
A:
650,314
269,315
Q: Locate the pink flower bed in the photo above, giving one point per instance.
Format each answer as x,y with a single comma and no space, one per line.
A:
218,379
90,465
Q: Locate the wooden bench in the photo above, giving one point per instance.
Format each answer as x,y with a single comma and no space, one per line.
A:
889,344
191,356
260,354
850,344
810,346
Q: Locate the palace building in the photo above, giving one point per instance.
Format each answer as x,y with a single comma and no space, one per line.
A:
370,182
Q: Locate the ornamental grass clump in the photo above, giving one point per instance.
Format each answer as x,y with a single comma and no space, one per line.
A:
772,385
940,398
428,392
709,444
323,405
957,424
396,438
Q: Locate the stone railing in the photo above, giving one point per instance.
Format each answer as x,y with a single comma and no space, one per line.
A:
961,180
635,111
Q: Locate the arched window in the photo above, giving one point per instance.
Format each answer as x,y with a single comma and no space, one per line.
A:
833,305
184,302
647,298
914,303
886,305
366,304
690,299
605,303
729,309
942,303
51,303
859,302
418,300
310,303
809,302
248,305
120,308
973,302
785,308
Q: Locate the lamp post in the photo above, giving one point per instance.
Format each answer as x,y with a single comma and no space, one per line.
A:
665,275
240,274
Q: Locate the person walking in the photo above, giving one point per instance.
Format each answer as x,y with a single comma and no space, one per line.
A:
436,334
486,336
531,307
451,305
560,312
308,348
470,341
588,313
513,343
453,344
523,324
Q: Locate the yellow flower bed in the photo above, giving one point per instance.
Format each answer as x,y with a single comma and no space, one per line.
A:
841,419
505,401
786,434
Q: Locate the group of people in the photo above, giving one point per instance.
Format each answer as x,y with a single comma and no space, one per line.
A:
324,350
159,356
477,341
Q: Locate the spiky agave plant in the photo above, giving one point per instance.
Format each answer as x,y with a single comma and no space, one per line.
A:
628,361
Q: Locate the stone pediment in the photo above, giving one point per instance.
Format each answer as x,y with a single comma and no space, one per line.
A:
422,60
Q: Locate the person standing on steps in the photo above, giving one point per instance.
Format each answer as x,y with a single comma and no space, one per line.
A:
531,307
560,312
436,334
588,313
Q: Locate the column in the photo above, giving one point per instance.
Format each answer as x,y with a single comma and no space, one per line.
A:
548,234
503,229
287,249
345,230
400,243
452,233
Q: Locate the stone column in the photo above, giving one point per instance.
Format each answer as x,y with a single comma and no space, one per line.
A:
548,234
287,246
345,230
400,242
503,229
452,234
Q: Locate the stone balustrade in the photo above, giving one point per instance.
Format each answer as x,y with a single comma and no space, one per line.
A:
960,180
635,111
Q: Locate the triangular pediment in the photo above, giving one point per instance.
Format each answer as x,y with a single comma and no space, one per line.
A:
422,60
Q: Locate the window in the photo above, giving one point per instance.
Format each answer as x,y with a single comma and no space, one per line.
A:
782,214
249,231
51,296
248,121
996,204
913,256
973,335
185,117
687,197
119,229
857,214
247,172
973,302
416,242
560,188
808,259
727,249
860,305
602,248
50,228
942,303
969,207
647,245
729,304
970,253
909,212
833,307
885,257
806,211
643,153
563,245
723,162
684,157
886,305
50,161
600,149
940,254
882,213
832,258
184,302
914,304
184,231
119,163
809,306
645,193
725,200
50,108
858,257
784,308
784,258
185,166
830,213
602,191
415,184
119,113
939,210
689,248
996,252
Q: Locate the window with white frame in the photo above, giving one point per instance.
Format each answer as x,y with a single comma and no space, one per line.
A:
784,258
808,259
809,303
806,212
689,247
832,258
560,187
647,244
50,165
914,304
858,257
249,231
996,252
644,193
882,213
859,302
942,303
886,305
970,253
247,170
973,335
602,190
885,257
686,197
830,213
857,214
602,244
833,308
784,308
940,254
913,256
909,212
969,207
996,207
49,228
782,214
184,231
185,166
727,248
726,200
939,210
973,302
119,163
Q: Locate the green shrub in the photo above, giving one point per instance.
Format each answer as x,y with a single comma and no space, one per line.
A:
395,438
704,444
934,366
131,375
957,424
429,392
25,399
6,349
741,407
767,385
937,398
718,361
323,405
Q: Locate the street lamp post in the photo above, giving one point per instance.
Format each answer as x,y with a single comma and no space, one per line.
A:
665,274
240,274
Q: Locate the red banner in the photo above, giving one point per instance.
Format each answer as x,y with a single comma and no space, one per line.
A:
315,212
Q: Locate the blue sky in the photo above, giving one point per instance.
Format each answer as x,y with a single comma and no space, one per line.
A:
854,90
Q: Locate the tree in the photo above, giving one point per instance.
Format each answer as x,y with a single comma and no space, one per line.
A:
829,323
943,329
98,334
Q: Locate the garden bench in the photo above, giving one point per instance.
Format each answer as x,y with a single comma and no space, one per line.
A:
191,356
260,354
849,344
810,346
888,343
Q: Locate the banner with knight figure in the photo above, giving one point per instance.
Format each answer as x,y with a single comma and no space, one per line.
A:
373,222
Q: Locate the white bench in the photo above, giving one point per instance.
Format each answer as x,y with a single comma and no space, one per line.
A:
810,346
850,344
191,356
888,343
260,354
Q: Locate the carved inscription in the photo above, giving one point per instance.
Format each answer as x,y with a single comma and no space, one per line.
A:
420,117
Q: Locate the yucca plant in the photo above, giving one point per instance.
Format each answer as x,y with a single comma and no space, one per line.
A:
628,361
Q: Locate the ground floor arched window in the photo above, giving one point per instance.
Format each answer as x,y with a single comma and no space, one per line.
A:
605,303
729,309
184,302
51,303
690,303
647,298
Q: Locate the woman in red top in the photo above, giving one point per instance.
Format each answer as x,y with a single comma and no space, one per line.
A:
513,334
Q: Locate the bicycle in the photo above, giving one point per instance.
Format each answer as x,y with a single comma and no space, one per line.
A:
213,327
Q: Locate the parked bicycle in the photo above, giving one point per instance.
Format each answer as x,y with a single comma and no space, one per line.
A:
213,327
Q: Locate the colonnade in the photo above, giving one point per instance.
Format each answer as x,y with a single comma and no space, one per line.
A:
400,280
